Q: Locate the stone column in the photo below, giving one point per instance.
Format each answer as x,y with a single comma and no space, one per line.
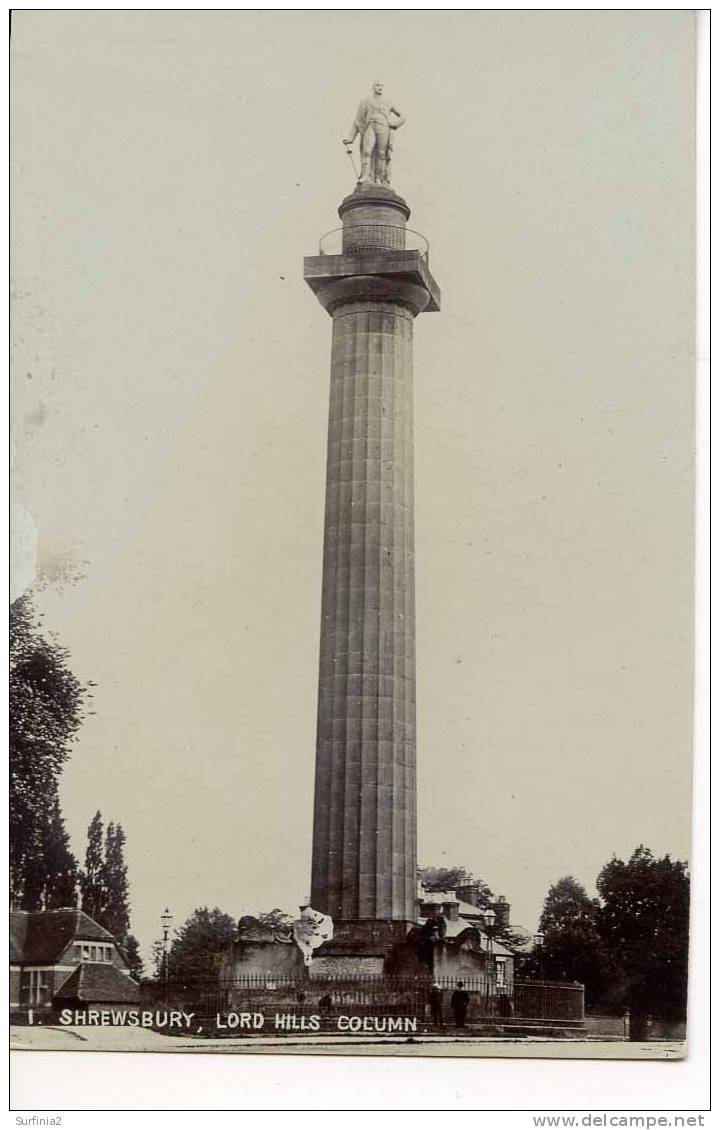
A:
364,834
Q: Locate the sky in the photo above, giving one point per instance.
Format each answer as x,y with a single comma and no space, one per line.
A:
170,169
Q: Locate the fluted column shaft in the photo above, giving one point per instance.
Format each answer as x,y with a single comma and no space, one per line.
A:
364,838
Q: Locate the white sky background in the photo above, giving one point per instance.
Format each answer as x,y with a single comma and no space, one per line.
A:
171,381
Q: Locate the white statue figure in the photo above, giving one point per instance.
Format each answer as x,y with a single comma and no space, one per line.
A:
375,118
310,931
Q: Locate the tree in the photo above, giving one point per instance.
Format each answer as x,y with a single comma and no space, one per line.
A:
157,958
197,950
116,912
444,878
104,883
644,922
46,708
91,880
62,869
275,918
50,868
566,903
131,953
449,878
572,948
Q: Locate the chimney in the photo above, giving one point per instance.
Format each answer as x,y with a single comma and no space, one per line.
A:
468,892
502,912
451,911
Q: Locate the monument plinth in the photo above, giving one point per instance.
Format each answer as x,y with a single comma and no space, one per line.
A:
364,832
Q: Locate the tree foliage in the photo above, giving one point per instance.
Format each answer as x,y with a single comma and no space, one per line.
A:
644,921
104,881
572,948
630,947
275,918
46,708
116,914
444,878
198,949
91,880
50,869
567,904
131,953
157,957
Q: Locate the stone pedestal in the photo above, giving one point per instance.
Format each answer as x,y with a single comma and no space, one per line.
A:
364,832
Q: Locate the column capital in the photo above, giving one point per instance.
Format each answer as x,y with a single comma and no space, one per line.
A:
394,268
372,288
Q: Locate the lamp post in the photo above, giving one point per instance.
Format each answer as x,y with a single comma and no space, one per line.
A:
166,919
490,917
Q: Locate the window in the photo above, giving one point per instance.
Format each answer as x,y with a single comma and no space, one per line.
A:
501,972
89,952
35,987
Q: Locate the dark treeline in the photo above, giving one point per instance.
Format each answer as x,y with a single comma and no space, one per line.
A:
629,947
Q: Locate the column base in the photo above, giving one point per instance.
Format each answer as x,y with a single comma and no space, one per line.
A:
362,947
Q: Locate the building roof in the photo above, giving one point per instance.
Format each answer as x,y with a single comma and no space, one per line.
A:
99,984
435,896
455,927
42,935
467,909
475,916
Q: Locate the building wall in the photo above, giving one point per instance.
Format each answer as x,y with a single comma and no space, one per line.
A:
55,974
346,965
464,963
261,959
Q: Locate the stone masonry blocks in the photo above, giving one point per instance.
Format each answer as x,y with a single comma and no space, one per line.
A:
364,854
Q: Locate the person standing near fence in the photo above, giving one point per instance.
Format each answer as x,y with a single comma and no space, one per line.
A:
459,1002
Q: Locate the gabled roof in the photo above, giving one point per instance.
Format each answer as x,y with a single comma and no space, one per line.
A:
99,984
42,935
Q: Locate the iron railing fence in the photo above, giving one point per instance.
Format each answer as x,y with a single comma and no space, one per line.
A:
358,239
549,1000
372,994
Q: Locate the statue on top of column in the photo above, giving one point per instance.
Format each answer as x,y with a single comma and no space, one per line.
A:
375,118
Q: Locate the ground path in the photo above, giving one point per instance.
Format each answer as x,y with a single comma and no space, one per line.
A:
118,1039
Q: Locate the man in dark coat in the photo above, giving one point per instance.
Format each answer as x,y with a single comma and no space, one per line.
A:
459,1002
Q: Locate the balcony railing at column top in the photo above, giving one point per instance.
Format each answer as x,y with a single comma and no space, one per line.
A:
356,239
